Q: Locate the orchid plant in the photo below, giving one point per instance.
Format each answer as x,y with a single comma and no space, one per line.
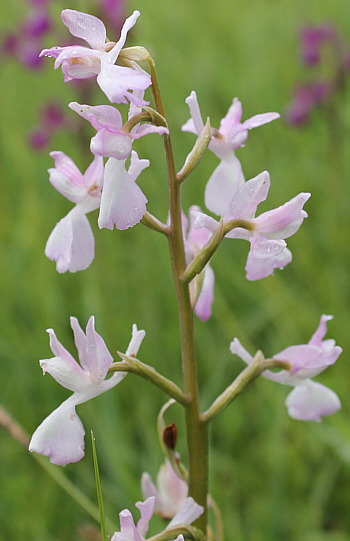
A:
181,494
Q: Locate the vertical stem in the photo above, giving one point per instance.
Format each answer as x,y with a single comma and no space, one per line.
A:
197,431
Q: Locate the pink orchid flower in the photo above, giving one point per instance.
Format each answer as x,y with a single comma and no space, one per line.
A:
61,435
123,203
111,141
194,240
188,513
232,133
80,62
267,245
71,243
309,400
170,492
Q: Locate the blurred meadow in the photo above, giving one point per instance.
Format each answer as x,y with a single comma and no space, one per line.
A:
273,477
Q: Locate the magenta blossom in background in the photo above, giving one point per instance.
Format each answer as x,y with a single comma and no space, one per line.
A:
188,513
311,40
71,243
78,62
309,400
232,133
170,492
61,435
305,99
268,249
194,240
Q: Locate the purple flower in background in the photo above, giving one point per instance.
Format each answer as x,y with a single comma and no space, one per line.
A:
311,40
309,400
61,435
52,118
188,513
323,51
71,243
78,62
114,12
267,245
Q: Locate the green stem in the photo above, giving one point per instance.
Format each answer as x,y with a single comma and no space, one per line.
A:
197,431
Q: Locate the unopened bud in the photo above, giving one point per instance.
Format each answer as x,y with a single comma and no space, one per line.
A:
170,436
135,54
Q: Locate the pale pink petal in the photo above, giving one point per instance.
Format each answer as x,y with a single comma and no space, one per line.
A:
116,81
146,509
61,435
283,221
189,512
84,26
249,195
122,204
80,342
319,334
99,116
198,237
128,530
136,165
222,186
259,120
232,119
71,243
71,377
129,23
60,351
196,126
93,177
111,145
203,220
148,489
257,268
311,401
136,340
206,296
237,349
98,355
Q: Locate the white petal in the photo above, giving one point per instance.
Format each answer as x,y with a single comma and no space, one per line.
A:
311,401
189,512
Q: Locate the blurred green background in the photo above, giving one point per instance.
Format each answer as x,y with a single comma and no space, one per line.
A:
274,478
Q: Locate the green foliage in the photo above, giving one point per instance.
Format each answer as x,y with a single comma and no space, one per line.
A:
274,478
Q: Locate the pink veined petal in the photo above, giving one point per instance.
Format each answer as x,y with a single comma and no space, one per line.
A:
197,122
206,296
145,129
222,186
189,512
85,26
123,203
99,358
249,195
262,248
285,220
79,62
320,333
311,401
129,23
146,509
66,187
99,116
302,356
136,340
257,268
61,435
71,243
111,145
